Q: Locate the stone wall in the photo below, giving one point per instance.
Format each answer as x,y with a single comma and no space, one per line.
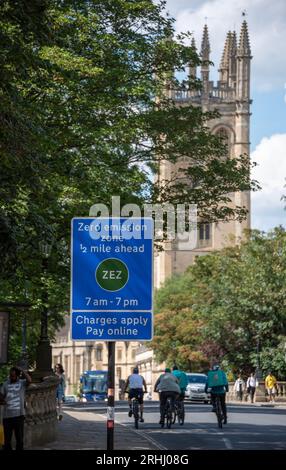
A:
41,413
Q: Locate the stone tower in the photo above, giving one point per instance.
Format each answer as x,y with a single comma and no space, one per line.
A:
231,97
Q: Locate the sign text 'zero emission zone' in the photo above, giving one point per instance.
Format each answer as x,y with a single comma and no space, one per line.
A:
112,279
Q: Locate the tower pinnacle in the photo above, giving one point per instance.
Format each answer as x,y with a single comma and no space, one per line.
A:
205,56
193,68
226,51
244,44
205,49
232,60
225,60
243,65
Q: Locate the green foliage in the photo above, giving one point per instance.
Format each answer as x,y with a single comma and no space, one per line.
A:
79,122
176,339
274,358
236,300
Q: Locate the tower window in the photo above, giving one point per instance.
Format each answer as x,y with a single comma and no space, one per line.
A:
224,137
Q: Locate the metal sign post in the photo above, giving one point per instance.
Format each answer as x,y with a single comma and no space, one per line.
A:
111,287
110,396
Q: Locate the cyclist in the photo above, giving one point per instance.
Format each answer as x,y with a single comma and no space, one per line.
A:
183,381
135,384
168,386
218,384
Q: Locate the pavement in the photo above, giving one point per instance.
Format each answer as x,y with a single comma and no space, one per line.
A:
266,404
250,427
85,430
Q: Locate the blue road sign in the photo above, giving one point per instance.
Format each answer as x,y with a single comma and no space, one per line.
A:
112,274
118,326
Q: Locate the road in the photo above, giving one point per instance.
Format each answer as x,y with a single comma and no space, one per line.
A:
250,427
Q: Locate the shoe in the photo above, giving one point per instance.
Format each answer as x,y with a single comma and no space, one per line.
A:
141,420
225,421
60,417
130,413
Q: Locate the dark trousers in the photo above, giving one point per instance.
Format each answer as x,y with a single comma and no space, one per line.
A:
251,393
163,399
17,425
222,400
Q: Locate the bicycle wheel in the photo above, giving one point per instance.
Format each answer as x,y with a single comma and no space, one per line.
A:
176,413
181,413
169,415
136,413
163,416
219,412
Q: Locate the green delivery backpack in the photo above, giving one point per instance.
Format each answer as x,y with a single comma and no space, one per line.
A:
216,378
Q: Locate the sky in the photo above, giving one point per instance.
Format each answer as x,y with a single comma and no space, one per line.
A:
267,31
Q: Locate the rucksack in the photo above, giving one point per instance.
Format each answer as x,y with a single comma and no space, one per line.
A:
182,377
183,381
216,378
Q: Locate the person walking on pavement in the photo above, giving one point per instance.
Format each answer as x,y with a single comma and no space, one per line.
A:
251,385
135,384
167,385
183,381
270,385
13,396
239,387
59,371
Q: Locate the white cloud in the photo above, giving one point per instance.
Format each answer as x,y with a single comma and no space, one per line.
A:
267,207
267,27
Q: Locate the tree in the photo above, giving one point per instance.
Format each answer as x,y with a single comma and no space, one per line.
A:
237,297
243,298
177,326
83,110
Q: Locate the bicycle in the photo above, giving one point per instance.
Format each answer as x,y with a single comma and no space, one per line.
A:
135,406
135,411
179,412
219,412
168,415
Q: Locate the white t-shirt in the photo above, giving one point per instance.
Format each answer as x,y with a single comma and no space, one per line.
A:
239,385
135,381
251,382
14,395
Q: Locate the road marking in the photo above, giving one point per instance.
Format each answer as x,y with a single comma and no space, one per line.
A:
225,440
227,443
148,438
141,434
178,431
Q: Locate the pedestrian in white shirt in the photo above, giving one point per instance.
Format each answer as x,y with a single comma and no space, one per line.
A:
251,385
239,387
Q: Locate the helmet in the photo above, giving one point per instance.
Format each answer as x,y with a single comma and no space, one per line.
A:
135,370
175,367
216,367
167,370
